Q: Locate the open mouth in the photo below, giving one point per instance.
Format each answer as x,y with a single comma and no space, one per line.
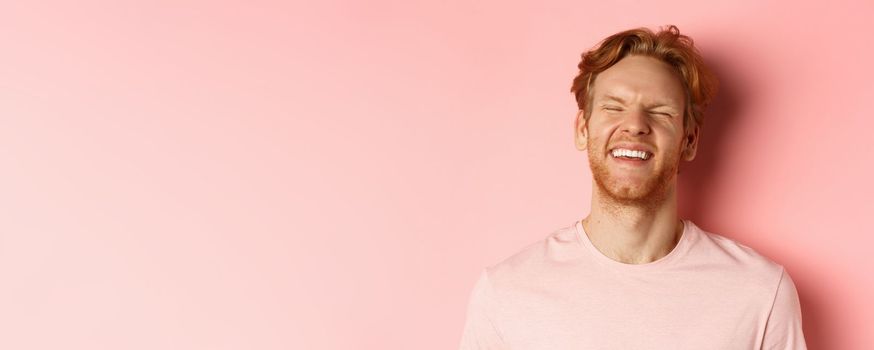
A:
629,154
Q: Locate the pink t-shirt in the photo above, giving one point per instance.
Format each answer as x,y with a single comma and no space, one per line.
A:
709,292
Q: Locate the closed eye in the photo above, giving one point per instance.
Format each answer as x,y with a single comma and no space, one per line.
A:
664,114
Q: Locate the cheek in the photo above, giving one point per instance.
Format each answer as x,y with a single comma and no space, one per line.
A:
672,135
597,141
599,132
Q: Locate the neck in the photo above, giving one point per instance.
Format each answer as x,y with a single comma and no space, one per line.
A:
634,234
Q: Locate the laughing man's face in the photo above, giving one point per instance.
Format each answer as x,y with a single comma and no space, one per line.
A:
634,134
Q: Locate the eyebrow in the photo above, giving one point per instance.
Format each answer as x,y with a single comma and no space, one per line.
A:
614,98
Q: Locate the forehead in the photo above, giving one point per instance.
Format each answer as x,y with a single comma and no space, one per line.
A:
640,79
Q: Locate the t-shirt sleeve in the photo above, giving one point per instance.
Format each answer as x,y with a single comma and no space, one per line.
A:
783,329
480,332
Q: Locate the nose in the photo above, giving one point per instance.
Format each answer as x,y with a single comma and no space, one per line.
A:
636,122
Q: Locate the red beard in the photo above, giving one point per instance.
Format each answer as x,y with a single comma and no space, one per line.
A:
648,193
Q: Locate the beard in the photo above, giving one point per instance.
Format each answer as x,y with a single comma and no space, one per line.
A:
647,193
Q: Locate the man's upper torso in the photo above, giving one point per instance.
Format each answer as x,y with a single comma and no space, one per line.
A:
709,292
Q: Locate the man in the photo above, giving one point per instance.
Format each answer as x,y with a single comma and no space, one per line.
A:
632,274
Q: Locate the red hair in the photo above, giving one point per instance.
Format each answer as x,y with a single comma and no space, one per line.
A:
667,45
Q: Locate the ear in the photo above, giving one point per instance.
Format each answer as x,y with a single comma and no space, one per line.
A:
581,135
690,143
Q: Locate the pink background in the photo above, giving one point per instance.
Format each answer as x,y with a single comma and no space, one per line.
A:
334,175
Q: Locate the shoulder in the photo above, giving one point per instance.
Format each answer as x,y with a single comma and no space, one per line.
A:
539,259
734,259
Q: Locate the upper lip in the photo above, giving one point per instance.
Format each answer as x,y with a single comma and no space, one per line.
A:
633,147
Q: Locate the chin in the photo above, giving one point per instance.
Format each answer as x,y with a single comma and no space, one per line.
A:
645,190
640,193
629,193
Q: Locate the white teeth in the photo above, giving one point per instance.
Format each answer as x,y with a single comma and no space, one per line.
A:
621,152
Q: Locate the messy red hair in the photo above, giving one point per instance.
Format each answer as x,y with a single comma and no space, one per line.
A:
668,45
